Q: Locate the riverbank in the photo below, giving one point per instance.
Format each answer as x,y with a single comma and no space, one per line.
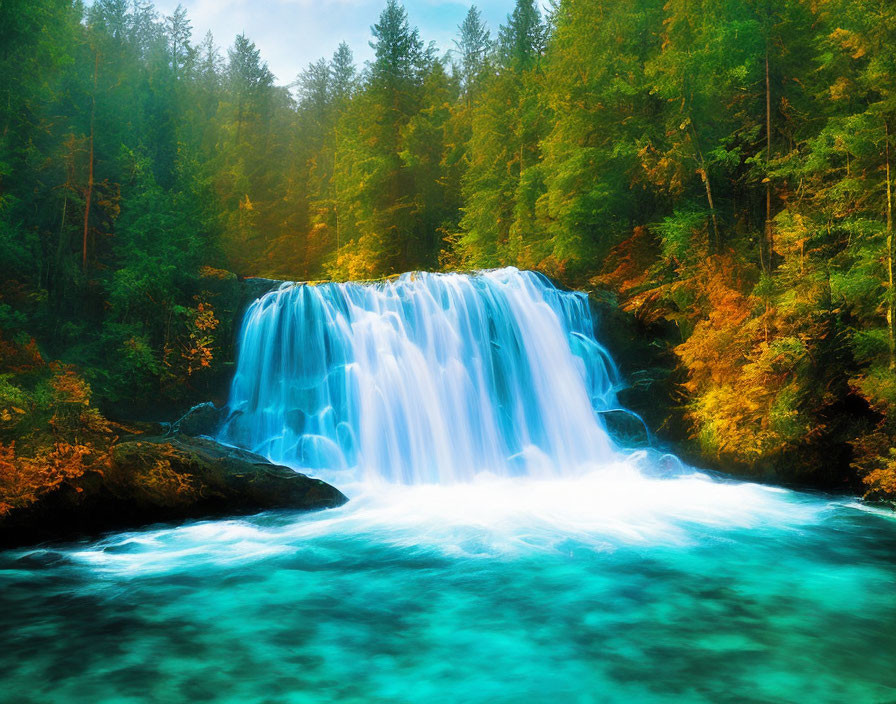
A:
115,483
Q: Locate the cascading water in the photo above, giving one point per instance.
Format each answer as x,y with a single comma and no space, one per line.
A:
430,378
449,577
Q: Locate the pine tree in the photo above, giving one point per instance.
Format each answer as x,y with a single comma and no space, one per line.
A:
473,45
522,40
507,123
344,74
179,31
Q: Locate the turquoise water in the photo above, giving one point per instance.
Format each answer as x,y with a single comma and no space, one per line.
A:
613,587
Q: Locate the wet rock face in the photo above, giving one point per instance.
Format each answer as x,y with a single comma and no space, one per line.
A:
203,419
652,374
153,479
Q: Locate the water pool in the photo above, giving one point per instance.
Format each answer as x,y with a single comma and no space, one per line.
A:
615,587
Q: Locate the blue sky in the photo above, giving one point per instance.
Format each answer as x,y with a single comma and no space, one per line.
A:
292,33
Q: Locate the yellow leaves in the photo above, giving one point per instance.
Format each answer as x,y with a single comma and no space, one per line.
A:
93,421
68,387
850,41
193,348
204,318
198,355
208,272
841,89
6,414
198,351
881,481
159,480
743,359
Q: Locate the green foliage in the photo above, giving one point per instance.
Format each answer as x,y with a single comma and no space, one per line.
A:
473,44
678,233
726,167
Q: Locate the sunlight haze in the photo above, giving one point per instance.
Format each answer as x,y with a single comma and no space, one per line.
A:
293,33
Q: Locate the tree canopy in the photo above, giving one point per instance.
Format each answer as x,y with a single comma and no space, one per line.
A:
723,168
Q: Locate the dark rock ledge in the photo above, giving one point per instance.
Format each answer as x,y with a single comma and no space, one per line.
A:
151,479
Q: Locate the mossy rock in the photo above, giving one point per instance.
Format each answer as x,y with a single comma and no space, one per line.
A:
154,479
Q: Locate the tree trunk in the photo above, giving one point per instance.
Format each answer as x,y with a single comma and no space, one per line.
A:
62,243
335,198
704,174
769,234
239,121
891,299
96,67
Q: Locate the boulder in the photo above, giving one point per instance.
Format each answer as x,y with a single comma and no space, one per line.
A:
202,419
154,479
642,349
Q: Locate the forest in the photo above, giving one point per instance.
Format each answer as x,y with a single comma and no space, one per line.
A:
721,170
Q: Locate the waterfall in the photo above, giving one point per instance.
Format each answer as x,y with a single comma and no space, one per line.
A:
427,378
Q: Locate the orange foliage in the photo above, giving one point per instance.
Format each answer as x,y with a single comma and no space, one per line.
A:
70,402
874,459
195,350
716,349
68,387
208,272
745,362
160,480
24,479
627,271
198,354
881,482
48,408
20,359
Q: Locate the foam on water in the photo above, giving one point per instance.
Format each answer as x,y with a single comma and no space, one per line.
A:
614,506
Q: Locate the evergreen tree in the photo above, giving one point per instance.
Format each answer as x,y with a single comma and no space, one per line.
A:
523,38
179,31
344,74
473,44
726,167
375,185
503,180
